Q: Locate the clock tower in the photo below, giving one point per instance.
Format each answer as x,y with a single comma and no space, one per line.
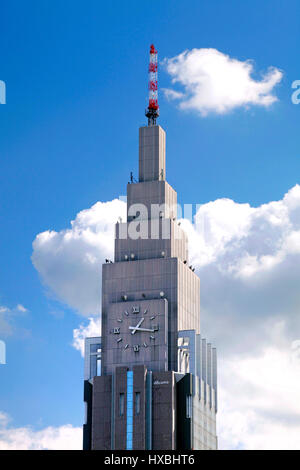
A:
150,380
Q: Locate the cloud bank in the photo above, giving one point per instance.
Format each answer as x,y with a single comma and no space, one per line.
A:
65,437
213,82
259,405
248,259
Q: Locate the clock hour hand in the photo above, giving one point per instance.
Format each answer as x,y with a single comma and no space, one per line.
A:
134,328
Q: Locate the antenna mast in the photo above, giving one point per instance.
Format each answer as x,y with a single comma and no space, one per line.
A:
152,112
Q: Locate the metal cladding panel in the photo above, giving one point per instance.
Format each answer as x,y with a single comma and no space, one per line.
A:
146,345
149,239
164,411
139,280
214,376
152,153
101,413
151,194
139,415
87,427
149,381
209,372
204,365
188,299
198,358
150,200
92,352
184,422
118,418
146,279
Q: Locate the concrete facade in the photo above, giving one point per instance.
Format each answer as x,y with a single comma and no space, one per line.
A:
157,376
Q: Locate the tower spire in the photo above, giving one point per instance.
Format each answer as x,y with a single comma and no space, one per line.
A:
152,112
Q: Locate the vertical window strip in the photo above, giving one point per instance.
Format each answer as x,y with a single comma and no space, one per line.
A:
129,403
137,403
188,406
122,404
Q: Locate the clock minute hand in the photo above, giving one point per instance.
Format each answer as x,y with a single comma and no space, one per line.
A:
134,328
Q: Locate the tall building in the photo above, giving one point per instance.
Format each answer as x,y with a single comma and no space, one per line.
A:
150,380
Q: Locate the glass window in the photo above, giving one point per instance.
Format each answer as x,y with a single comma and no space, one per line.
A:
122,404
137,403
98,367
95,348
189,406
129,402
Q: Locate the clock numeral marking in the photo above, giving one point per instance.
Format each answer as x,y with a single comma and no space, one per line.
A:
116,331
152,318
120,320
145,345
118,340
126,346
136,348
126,313
135,309
152,337
145,311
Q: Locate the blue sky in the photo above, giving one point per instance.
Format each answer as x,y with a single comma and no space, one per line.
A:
76,78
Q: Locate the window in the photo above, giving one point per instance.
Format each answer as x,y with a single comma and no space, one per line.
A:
137,403
98,366
189,406
129,424
122,404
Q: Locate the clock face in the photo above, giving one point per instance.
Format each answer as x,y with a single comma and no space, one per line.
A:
136,328
137,332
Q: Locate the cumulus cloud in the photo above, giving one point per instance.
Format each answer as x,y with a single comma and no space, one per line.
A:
92,328
214,82
248,259
65,437
259,404
69,262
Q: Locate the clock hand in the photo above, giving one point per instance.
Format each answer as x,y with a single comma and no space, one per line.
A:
134,328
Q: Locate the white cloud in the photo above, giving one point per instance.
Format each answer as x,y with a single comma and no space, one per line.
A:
93,328
215,82
65,437
21,308
4,419
5,322
69,262
172,94
259,401
7,317
248,259
4,309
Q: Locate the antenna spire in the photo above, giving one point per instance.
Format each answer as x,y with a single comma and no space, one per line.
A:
152,112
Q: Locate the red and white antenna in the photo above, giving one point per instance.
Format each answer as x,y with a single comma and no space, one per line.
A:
152,112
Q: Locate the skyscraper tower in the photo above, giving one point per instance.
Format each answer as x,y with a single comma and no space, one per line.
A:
150,379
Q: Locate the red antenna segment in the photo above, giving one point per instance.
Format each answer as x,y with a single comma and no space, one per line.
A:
152,112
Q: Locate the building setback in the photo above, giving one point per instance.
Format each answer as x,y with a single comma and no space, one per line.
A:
150,380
